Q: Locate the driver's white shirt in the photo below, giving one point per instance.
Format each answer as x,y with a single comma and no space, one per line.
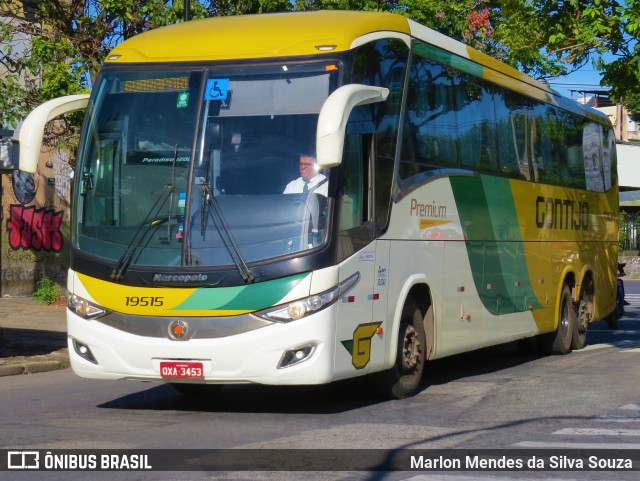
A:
297,186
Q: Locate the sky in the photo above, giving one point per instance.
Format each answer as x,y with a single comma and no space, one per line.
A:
587,78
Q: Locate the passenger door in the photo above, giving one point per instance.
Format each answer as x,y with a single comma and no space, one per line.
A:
361,312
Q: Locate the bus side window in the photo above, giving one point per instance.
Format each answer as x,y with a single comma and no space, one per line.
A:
517,128
591,148
430,138
353,203
476,125
351,196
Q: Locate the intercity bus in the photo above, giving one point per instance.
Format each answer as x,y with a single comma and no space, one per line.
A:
466,205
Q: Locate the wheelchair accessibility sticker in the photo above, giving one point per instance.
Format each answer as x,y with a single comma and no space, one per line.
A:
217,89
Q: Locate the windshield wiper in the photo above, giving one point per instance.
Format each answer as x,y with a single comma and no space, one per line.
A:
143,229
140,234
220,222
217,216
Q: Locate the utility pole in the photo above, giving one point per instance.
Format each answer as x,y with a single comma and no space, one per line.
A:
187,7
624,128
621,128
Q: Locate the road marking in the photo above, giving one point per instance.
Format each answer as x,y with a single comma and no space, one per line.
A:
598,432
625,345
593,347
632,407
560,445
618,419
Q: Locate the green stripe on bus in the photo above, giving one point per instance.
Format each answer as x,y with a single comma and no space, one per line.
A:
510,248
494,244
251,297
447,58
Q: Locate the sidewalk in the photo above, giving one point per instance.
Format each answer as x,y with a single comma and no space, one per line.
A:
33,338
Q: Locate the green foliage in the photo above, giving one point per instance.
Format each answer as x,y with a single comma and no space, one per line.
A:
543,38
47,292
623,230
623,73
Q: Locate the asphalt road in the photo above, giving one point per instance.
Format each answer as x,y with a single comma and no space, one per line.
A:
490,399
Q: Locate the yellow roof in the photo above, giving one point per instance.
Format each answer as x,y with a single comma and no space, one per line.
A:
255,36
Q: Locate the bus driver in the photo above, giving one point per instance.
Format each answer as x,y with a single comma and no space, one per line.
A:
310,179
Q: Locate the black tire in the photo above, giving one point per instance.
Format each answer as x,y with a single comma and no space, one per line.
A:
579,337
197,390
403,379
559,342
584,315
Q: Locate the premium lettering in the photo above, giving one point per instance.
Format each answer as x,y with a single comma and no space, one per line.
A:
428,210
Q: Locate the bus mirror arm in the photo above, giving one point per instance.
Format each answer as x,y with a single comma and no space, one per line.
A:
32,129
332,121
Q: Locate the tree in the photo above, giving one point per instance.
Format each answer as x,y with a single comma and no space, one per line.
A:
572,33
56,47
623,73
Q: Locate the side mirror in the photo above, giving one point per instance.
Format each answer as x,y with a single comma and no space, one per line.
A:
9,150
32,129
334,114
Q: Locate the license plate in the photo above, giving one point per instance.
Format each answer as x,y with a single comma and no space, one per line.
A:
181,370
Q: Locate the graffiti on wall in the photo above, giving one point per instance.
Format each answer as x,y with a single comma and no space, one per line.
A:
32,228
24,185
62,175
35,225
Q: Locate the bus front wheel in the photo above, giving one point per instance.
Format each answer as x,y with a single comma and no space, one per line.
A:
403,379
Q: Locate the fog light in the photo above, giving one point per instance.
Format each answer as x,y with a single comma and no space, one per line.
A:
296,355
83,351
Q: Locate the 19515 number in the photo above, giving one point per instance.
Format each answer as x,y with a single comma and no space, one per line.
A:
144,301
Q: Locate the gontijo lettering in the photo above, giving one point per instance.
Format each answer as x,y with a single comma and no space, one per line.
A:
552,213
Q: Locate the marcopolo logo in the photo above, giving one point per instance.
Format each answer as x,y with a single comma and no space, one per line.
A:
184,278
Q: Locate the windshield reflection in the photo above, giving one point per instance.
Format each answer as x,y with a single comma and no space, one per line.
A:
231,206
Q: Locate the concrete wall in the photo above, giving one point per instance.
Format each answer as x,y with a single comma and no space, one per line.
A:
629,165
34,239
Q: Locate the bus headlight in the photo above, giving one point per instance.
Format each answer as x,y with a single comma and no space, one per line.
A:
310,305
84,308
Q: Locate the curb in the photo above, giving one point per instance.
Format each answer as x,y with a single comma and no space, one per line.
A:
32,367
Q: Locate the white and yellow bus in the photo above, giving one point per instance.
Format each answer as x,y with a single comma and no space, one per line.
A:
464,205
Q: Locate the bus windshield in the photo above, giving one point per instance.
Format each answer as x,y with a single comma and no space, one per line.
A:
191,167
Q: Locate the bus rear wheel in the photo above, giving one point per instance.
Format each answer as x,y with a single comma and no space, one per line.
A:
403,379
583,316
560,341
584,313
